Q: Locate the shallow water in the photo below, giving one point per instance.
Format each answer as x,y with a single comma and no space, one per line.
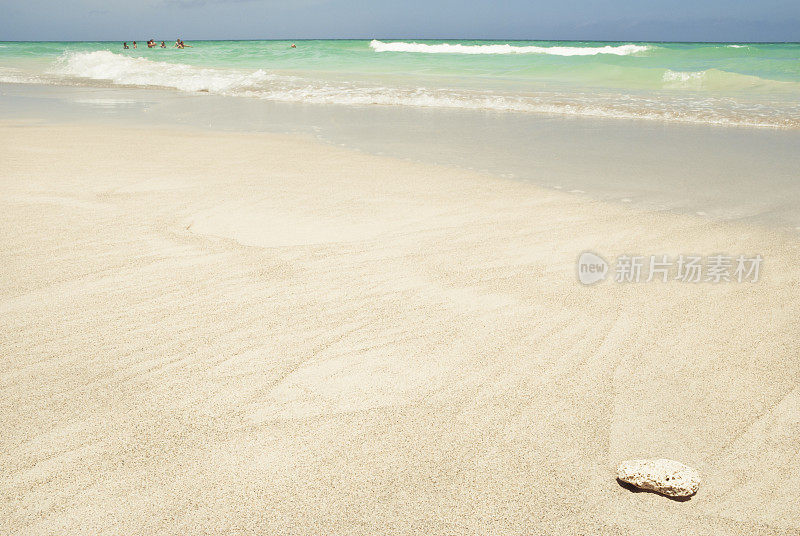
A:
712,83
725,173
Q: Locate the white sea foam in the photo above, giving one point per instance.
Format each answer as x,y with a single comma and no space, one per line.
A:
124,70
714,80
445,48
694,77
16,76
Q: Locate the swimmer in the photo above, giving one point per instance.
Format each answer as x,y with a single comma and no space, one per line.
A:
163,45
134,44
294,46
125,45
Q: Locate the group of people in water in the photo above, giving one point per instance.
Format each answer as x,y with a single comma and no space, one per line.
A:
152,44
178,44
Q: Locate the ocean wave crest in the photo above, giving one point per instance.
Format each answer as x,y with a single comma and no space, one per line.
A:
445,48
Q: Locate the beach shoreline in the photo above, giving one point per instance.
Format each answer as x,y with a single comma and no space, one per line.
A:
738,174
228,332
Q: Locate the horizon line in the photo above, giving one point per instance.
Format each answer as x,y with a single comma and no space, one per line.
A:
299,39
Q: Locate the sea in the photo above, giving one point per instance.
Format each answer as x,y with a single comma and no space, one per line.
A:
711,129
737,84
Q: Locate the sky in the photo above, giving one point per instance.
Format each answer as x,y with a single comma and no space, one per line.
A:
611,20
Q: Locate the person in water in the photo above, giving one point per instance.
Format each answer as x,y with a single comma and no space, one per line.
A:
163,45
134,44
125,45
294,46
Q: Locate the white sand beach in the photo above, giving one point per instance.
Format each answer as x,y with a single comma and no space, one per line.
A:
228,333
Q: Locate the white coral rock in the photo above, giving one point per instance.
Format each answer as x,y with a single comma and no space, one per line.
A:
667,477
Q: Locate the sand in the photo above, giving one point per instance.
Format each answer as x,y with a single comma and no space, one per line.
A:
220,333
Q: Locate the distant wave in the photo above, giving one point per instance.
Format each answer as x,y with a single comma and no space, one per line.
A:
445,48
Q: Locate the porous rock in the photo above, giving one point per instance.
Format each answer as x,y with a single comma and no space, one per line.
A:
667,477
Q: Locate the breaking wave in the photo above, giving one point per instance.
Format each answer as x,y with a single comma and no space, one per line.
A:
125,70
445,48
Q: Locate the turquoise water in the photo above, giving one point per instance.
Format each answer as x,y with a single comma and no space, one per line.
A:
729,83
